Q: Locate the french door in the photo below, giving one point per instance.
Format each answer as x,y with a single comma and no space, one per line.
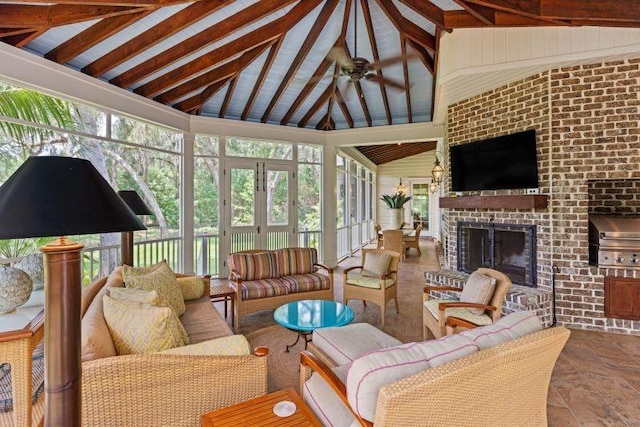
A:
259,205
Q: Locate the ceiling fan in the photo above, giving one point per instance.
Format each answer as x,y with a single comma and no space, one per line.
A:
357,68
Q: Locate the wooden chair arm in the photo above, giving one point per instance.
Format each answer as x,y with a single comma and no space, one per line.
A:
337,386
389,273
455,322
260,351
235,276
457,304
441,288
346,270
326,267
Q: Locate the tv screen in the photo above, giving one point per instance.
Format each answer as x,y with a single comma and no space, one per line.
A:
505,162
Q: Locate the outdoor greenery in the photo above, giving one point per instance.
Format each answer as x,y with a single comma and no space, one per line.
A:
395,201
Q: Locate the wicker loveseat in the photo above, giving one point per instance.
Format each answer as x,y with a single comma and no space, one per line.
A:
494,375
165,389
266,279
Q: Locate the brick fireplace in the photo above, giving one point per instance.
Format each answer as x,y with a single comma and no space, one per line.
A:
587,122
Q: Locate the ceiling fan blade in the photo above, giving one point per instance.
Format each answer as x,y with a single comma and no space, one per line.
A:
376,78
339,55
389,61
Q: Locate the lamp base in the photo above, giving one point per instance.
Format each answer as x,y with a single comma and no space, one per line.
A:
62,347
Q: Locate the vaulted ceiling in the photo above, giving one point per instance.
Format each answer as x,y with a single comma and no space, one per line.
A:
284,62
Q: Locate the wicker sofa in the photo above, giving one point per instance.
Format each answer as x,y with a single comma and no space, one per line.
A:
266,279
492,375
165,389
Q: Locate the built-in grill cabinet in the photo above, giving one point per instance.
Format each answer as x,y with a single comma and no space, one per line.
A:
614,241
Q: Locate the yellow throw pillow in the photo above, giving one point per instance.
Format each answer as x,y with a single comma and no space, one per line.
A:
192,287
142,328
128,271
136,295
163,280
233,345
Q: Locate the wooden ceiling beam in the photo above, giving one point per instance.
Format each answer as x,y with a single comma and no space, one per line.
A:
623,11
320,72
268,63
343,107
366,13
482,13
227,97
406,27
264,34
463,19
423,56
528,8
314,33
6,32
363,103
322,99
429,11
154,35
21,16
20,40
197,101
228,69
93,35
139,3
407,83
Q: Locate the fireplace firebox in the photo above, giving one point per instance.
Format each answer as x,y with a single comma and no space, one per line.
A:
509,248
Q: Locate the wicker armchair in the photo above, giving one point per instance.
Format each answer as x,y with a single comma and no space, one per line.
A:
377,232
505,385
393,240
379,290
414,241
436,326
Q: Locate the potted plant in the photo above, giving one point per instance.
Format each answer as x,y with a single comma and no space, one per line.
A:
395,203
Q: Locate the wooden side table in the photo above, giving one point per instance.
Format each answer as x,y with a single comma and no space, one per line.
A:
259,412
224,293
20,332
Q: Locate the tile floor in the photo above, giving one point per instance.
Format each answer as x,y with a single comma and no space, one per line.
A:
596,381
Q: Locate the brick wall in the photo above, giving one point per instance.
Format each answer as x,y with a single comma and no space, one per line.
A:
614,197
587,122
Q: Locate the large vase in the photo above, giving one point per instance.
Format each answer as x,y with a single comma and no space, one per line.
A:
15,288
395,219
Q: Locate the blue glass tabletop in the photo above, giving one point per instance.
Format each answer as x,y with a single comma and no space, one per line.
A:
309,315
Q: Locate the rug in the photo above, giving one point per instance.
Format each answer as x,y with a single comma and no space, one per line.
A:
282,367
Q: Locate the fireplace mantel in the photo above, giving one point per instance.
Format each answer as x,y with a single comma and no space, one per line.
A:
510,201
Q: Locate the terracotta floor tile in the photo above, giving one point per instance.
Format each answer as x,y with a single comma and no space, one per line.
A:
558,416
554,398
619,394
589,408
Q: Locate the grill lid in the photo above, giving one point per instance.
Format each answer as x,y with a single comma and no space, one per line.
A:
616,227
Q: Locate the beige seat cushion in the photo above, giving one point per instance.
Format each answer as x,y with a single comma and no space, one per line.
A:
375,265
138,328
367,282
460,312
479,290
234,345
203,322
325,403
164,281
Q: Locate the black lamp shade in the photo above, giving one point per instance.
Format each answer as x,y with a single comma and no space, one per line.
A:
61,196
135,202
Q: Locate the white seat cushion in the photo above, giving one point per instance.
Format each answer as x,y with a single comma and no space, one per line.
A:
507,328
345,344
368,282
324,403
462,313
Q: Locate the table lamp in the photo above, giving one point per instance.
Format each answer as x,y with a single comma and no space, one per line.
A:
58,196
136,204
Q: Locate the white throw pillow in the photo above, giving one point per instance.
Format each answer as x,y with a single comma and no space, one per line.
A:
479,290
375,265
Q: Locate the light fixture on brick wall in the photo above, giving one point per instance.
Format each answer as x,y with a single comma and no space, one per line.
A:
437,172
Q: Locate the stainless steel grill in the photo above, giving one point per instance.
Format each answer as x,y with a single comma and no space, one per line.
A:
614,241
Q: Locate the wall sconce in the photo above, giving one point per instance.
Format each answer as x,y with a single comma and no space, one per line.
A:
401,189
437,172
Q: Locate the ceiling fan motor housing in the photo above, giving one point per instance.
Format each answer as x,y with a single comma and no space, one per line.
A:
357,68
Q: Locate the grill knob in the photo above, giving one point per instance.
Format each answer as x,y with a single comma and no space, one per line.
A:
634,260
620,259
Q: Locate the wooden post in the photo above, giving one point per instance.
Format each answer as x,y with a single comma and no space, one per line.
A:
62,348
126,247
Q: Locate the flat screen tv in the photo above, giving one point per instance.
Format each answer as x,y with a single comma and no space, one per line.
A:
505,162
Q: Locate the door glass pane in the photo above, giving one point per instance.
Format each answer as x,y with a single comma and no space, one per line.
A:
277,197
420,204
242,198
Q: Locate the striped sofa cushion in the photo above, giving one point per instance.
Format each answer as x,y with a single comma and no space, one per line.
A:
253,266
292,261
306,282
254,289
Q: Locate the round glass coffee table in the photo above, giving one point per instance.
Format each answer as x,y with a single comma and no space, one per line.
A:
306,316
